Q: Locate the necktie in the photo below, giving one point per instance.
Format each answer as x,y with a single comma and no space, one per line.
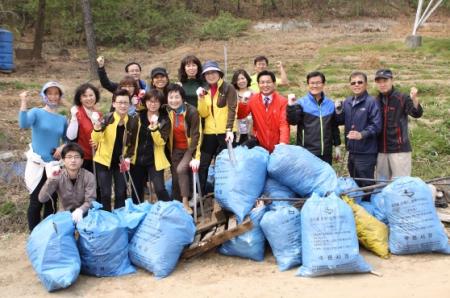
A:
266,101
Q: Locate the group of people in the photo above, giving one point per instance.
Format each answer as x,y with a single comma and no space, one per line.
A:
183,126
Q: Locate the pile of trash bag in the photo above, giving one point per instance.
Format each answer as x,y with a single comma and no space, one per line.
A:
238,184
53,251
251,244
103,244
330,243
414,226
131,215
160,239
301,171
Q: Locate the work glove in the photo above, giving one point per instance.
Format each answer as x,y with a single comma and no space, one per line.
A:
194,164
77,215
229,136
291,99
124,165
201,92
73,113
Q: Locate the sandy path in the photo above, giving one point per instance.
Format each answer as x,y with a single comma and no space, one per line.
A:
213,275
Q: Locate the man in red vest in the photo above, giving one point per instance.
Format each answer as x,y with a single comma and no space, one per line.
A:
268,109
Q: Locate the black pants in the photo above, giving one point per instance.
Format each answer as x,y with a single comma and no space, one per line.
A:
328,158
35,207
88,164
105,177
362,166
211,147
141,174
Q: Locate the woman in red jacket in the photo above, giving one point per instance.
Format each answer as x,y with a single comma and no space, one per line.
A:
83,113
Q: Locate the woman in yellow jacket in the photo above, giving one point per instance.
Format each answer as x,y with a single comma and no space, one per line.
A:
149,159
184,142
112,136
218,107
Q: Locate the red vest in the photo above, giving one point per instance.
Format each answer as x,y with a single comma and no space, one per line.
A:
85,128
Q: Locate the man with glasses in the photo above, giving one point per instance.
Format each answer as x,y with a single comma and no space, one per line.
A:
394,158
74,185
360,113
315,118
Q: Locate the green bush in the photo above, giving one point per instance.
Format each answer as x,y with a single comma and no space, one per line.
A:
223,27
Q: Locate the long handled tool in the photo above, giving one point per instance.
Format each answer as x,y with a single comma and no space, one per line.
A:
129,181
197,196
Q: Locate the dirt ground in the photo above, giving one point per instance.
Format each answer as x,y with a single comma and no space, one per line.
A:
213,275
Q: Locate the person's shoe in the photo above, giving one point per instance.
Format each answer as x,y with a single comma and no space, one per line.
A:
441,201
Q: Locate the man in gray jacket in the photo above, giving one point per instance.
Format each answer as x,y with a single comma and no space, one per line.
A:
75,186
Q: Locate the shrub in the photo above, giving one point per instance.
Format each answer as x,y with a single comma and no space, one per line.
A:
223,27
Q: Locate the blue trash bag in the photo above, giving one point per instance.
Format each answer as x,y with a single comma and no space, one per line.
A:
281,226
103,244
168,186
53,251
273,189
347,183
210,179
131,215
250,245
238,186
414,226
160,239
301,171
330,242
379,208
368,207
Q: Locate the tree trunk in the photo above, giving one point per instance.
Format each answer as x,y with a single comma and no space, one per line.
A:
90,36
39,31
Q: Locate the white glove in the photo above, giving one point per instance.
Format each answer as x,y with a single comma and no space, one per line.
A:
134,100
229,136
337,153
95,117
100,61
246,95
73,112
77,215
201,92
153,122
291,99
194,164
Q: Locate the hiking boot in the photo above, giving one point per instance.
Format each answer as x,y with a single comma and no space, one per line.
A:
441,201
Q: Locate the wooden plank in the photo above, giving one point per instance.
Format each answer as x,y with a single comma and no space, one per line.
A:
232,222
217,240
220,229
443,214
196,240
210,223
209,234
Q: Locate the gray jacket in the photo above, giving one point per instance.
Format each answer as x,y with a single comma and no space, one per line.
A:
71,195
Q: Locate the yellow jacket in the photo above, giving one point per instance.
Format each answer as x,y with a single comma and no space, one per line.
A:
193,126
159,137
106,138
220,113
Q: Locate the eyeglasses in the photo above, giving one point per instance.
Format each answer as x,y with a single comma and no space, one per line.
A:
75,157
123,103
315,83
356,83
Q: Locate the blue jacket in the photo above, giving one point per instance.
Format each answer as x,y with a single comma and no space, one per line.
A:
317,129
365,117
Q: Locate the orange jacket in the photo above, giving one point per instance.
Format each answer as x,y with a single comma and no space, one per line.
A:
269,127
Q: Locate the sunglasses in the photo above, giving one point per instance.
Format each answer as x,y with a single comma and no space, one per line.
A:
356,83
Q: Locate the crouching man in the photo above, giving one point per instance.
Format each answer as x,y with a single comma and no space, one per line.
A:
75,186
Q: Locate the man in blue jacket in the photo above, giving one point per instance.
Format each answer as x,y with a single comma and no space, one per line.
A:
361,115
315,118
394,158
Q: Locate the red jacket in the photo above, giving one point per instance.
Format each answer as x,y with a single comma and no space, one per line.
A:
269,127
85,128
